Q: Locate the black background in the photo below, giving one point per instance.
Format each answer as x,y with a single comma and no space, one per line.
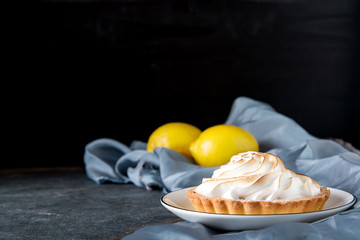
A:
84,70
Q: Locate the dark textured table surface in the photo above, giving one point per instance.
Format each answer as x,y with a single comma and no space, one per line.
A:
65,204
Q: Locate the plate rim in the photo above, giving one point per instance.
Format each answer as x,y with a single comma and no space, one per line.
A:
350,204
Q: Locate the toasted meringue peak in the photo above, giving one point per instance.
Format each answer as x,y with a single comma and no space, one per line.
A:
257,176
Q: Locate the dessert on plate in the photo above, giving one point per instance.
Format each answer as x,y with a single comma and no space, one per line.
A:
257,183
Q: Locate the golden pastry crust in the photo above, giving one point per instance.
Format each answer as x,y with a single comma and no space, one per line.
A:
227,206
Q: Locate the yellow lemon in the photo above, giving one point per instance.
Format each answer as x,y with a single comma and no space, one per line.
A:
216,145
175,135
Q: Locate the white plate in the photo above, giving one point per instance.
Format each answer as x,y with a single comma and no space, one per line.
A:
178,203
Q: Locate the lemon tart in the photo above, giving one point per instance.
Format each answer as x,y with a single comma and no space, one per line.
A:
257,183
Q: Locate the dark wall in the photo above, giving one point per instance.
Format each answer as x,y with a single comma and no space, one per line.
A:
119,69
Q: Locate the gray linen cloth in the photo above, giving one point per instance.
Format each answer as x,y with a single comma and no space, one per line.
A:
326,161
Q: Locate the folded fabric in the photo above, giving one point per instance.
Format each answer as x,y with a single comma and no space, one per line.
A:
108,160
340,226
323,160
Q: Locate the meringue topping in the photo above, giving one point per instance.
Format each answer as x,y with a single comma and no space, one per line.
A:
257,176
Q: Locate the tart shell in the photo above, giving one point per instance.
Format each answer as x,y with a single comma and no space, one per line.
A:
203,203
